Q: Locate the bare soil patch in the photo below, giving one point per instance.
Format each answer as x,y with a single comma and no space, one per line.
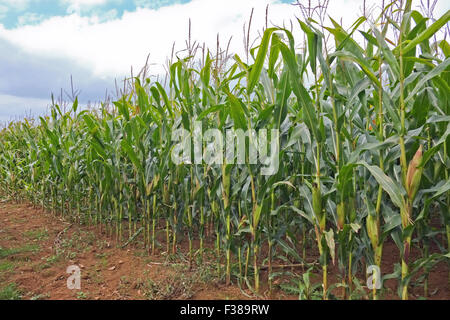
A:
36,248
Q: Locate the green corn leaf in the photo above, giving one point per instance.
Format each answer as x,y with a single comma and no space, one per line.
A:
237,112
259,62
430,75
132,155
299,90
392,188
344,55
426,34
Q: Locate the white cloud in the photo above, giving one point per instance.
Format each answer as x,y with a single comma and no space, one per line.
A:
111,47
35,76
107,48
15,108
108,15
76,6
29,18
3,11
7,5
85,2
16,4
154,4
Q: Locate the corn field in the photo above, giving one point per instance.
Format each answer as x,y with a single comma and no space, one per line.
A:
363,117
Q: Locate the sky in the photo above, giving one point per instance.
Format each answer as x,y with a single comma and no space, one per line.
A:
43,43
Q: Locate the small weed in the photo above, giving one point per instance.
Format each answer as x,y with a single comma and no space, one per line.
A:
124,285
37,235
53,259
302,286
178,286
6,266
82,295
10,292
96,277
13,251
102,244
101,255
140,253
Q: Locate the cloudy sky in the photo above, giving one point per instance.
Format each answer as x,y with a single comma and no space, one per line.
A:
44,42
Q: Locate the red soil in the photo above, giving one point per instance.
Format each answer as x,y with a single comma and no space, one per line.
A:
46,245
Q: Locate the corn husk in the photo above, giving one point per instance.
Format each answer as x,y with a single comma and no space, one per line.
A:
414,174
372,230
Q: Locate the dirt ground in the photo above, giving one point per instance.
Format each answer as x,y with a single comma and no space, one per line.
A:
36,248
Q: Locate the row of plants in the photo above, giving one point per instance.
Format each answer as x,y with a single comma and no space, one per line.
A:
363,154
